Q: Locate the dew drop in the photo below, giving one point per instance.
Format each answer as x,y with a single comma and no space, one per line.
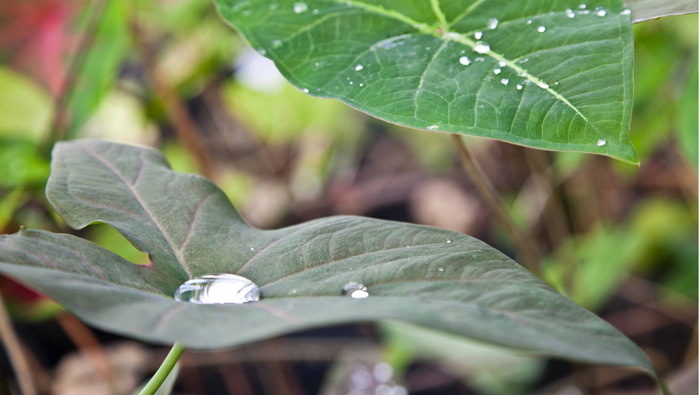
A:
478,35
441,270
582,6
355,290
522,73
504,81
276,43
479,59
350,82
626,12
482,47
493,23
465,61
600,11
497,71
601,142
543,85
262,51
523,60
252,248
519,87
300,7
359,67
218,289
315,12
449,241
570,13
541,29
361,84
584,12
529,21
305,90
502,63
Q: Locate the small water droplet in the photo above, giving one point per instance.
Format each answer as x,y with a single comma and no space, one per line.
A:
519,87
252,248
361,84
350,82
502,63
449,241
493,23
523,60
583,12
465,61
541,29
479,59
432,127
601,142
262,51
305,90
522,73
355,290
481,47
526,82
529,21
504,81
300,7
218,289
582,6
543,85
359,67
570,13
315,11
600,11
497,71
276,43
478,35
273,6
626,12
441,269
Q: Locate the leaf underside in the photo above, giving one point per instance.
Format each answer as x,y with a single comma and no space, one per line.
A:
556,77
416,274
644,10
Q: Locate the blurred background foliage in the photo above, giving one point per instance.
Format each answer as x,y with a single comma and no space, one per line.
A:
621,240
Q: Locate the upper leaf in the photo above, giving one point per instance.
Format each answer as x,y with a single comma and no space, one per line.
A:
643,10
556,75
417,274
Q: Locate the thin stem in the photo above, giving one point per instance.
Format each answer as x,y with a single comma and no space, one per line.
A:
164,370
19,361
488,192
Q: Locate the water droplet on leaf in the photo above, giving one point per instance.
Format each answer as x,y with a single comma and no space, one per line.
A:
600,11
582,6
519,87
358,67
497,71
502,64
218,289
493,23
601,142
300,7
355,290
481,47
541,29
478,35
276,43
504,81
465,61
570,13
626,12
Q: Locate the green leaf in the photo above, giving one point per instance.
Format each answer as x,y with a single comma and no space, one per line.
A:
568,87
416,274
643,10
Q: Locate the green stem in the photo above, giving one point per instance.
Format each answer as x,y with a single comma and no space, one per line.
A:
164,370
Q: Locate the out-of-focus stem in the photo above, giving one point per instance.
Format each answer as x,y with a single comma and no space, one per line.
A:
19,361
164,370
495,201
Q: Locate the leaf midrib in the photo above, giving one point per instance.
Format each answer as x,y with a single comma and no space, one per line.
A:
447,35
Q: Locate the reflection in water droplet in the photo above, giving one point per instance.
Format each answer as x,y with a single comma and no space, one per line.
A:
600,11
355,290
478,35
570,13
359,67
481,47
497,71
432,127
541,29
626,12
519,87
465,61
504,81
300,7
493,23
601,142
218,289
383,372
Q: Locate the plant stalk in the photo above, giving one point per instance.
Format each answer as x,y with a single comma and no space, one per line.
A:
495,201
19,361
164,370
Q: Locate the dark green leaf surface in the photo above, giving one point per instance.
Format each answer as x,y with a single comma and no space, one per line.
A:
557,76
643,10
417,274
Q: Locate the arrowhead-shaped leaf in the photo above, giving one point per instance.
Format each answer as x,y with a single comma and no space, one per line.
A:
558,74
417,274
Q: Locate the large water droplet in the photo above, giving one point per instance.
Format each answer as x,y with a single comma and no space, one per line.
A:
355,290
482,47
300,7
493,23
601,142
464,61
218,289
600,11
478,35
541,29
